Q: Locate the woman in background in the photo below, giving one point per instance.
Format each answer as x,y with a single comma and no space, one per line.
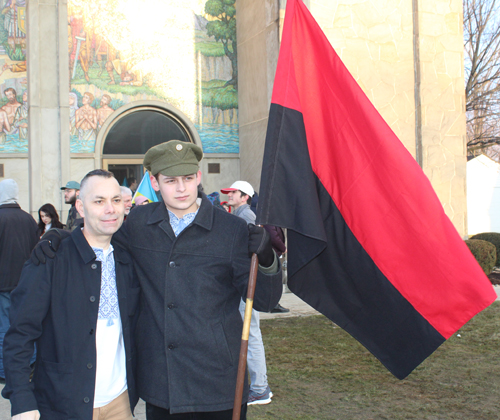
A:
48,219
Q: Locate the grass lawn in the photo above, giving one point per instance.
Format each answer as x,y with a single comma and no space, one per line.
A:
318,371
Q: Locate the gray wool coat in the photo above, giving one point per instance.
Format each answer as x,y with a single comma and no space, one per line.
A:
189,328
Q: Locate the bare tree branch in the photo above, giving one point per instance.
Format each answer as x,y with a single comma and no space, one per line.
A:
482,74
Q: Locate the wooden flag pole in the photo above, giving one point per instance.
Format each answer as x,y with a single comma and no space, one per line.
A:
242,363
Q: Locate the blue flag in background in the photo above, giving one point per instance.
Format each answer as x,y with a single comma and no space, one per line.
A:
125,183
145,189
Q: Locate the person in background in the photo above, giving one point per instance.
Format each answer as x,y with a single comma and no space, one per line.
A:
18,236
240,195
127,199
254,202
71,190
215,200
132,184
141,201
226,206
48,219
278,243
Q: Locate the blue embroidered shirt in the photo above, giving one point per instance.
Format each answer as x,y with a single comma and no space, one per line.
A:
108,302
179,224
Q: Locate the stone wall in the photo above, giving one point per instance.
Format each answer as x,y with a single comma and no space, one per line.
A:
443,105
258,46
408,58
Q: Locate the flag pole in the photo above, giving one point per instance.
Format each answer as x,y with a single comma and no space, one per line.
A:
242,363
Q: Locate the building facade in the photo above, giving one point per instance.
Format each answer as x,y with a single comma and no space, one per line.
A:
94,84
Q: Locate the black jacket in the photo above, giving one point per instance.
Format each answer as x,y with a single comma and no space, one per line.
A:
56,304
18,237
189,329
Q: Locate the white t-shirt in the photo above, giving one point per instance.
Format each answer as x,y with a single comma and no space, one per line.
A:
111,373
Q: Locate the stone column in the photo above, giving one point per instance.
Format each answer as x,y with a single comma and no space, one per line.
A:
258,47
48,77
442,98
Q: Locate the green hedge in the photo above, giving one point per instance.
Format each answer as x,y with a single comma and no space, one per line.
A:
484,252
492,237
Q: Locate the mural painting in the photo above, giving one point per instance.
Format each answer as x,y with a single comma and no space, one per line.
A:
182,53
13,81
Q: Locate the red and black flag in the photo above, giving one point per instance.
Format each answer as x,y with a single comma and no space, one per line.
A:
369,244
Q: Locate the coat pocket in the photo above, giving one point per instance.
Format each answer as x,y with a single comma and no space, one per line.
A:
54,386
224,353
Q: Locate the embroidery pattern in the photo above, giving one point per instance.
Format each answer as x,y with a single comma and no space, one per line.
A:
108,303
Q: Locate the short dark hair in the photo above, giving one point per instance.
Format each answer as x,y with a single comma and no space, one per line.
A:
96,172
249,199
131,180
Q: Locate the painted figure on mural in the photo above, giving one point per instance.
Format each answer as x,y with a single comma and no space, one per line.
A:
137,66
104,111
4,126
128,75
79,45
11,20
86,120
21,118
11,106
15,67
73,107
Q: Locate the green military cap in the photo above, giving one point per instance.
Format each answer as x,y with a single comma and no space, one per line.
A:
173,158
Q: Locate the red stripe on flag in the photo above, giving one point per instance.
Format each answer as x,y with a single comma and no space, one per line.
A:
383,195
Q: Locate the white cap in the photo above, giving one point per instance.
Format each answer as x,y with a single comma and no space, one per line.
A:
242,186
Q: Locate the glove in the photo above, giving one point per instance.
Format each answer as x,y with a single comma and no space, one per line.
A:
48,245
259,242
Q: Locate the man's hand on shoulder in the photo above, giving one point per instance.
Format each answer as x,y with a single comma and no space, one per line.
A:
259,243
28,415
48,245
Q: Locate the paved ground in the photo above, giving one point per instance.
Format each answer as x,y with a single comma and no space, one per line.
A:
289,300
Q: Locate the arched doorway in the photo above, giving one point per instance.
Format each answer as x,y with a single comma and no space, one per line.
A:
133,129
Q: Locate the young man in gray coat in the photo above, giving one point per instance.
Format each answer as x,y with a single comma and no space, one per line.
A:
193,263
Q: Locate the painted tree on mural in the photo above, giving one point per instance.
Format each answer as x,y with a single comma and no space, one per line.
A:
223,29
482,75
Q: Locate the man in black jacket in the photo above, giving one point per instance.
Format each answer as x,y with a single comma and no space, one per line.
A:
71,190
80,309
18,236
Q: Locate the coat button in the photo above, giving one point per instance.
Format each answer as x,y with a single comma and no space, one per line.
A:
92,298
89,366
171,264
93,266
91,331
170,306
171,347
86,400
